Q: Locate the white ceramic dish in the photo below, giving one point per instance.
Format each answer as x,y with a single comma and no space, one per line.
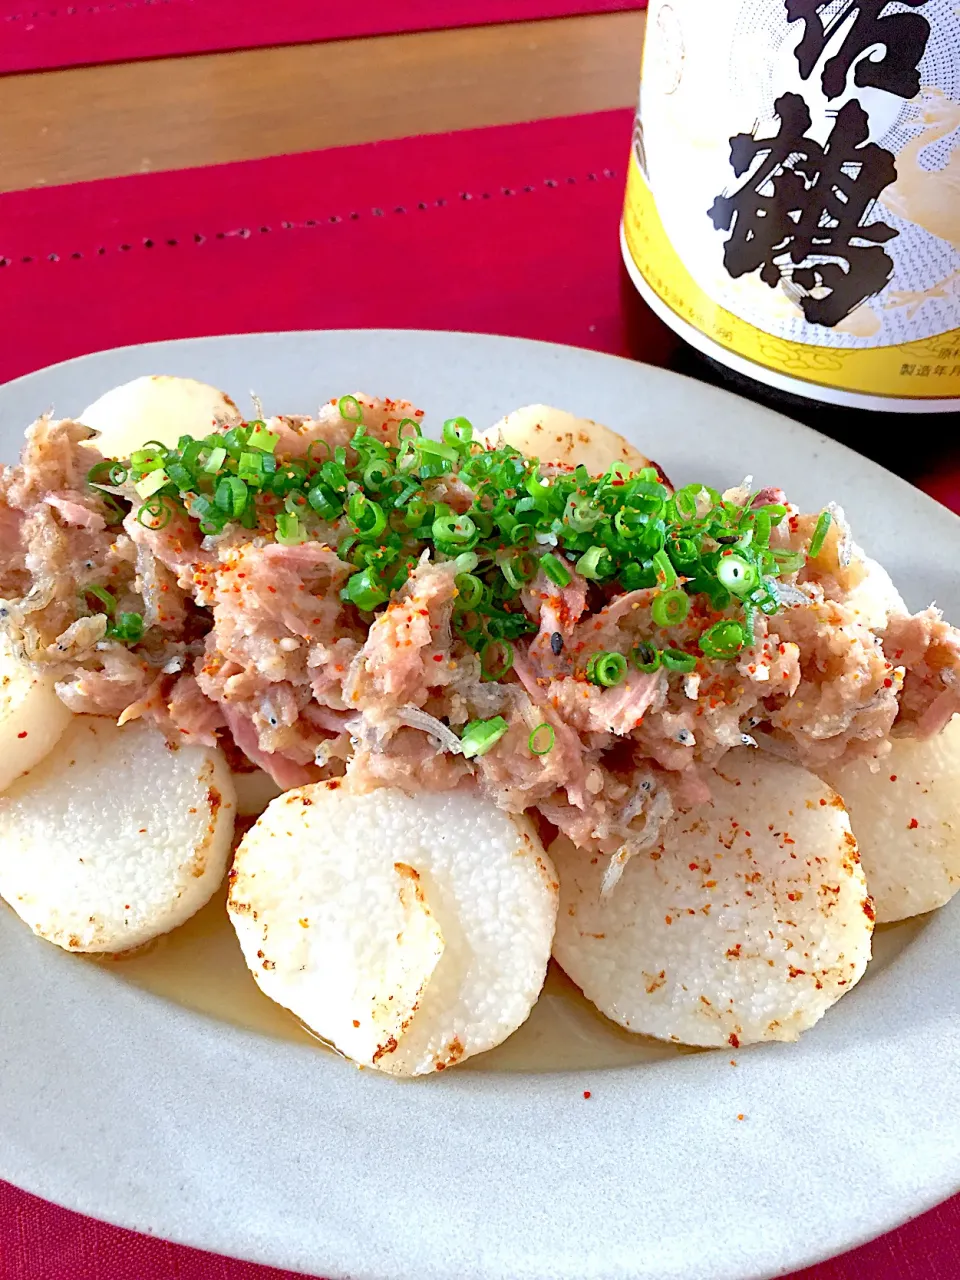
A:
138,1110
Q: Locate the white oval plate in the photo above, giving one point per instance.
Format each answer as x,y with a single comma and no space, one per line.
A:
142,1112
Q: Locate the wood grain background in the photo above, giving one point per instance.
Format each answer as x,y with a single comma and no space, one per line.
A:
96,122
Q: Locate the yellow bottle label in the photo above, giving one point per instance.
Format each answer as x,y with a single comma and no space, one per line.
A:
793,195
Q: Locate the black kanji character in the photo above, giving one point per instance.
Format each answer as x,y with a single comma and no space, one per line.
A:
805,204
903,35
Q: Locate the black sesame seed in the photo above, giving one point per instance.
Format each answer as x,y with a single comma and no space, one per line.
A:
556,642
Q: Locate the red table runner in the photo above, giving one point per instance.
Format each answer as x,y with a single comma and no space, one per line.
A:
37,35
509,230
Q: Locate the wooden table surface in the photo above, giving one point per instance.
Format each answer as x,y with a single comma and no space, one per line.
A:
97,122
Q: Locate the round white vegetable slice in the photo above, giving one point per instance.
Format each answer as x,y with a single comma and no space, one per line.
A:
115,837
157,407
747,922
906,817
410,932
32,717
555,436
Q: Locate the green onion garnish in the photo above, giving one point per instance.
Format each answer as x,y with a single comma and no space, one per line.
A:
127,628
666,574
101,595
290,532
723,640
489,513
156,513
677,660
555,569
519,569
369,518
593,563
819,533
542,739
606,669
496,659
646,657
152,483
469,590
216,460
480,735
231,496
350,408
364,590
738,575
789,561
670,608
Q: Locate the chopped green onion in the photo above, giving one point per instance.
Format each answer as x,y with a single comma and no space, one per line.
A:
469,590
606,669
666,574
749,625
466,562
261,439
152,483
457,431
364,590
685,502
519,569
581,515
738,575
216,460
589,565
723,640
765,597
128,628
670,608
819,533
101,595
542,739
480,735
146,460
155,514
496,659
369,518
250,467
100,474
677,660
324,502
555,569
453,534
181,476
646,657
789,561
231,496
350,408
290,532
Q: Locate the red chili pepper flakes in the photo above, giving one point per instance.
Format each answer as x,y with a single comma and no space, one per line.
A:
893,777
741,1116
22,735
733,1041
586,1093
912,824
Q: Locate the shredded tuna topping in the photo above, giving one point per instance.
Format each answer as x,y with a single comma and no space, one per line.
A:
339,596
